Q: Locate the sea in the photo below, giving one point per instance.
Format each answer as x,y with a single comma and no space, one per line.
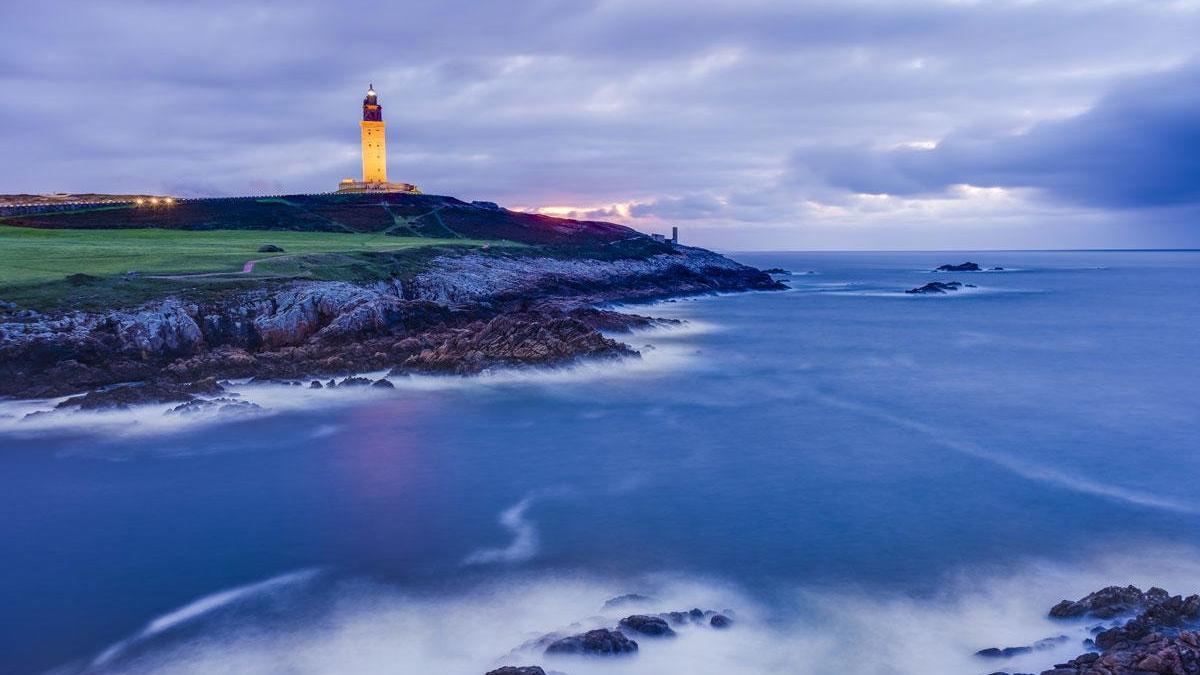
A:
866,481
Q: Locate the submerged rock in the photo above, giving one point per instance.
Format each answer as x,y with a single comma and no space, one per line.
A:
141,394
269,248
720,621
517,670
961,267
647,625
599,642
1007,652
1003,653
627,599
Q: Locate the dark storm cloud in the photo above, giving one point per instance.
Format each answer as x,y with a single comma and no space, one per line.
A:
710,112
1138,147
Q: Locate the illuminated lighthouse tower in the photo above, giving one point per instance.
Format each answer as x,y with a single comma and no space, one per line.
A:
374,144
374,153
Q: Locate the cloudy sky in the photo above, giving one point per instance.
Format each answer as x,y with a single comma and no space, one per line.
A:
750,124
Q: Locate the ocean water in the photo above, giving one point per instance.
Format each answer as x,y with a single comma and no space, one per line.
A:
871,482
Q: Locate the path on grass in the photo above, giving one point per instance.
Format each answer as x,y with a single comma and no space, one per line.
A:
247,268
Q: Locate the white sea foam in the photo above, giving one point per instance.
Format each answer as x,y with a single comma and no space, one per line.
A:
667,352
524,537
195,610
371,628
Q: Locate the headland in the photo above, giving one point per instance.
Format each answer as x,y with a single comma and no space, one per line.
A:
133,301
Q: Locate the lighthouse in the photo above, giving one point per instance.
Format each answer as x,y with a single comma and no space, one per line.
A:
374,152
374,140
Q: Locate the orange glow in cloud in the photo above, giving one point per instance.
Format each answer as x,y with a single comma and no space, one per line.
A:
615,211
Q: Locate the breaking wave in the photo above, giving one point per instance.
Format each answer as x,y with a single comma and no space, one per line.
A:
524,535
661,347
367,627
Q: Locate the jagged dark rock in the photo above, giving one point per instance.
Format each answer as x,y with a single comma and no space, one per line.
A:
720,621
517,670
599,642
355,382
696,616
938,288
1161,637
1109,602
617,322
515,339
961,267
647,625
141,393
222,405
462,312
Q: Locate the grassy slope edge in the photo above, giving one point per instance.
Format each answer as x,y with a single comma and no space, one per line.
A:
82,259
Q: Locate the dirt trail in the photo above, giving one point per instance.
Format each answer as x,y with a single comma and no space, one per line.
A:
247,268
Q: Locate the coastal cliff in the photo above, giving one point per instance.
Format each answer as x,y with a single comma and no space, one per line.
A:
464,311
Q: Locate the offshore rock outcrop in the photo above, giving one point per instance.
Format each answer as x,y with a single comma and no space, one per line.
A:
1160,638
961,267
938,288
462,313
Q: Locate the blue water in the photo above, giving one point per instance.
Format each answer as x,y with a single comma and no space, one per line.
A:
840,439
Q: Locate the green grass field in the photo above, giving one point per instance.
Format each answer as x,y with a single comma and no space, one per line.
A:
30,255
39,268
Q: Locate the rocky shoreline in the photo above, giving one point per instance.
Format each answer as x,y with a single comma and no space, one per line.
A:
464,313
1134,632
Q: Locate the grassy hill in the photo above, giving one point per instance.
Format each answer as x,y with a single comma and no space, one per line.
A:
30,255
84,258
392,213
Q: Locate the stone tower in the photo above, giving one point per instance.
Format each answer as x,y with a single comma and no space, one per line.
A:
374,153
374,145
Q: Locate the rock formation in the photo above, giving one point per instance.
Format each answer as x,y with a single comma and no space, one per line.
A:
464,312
